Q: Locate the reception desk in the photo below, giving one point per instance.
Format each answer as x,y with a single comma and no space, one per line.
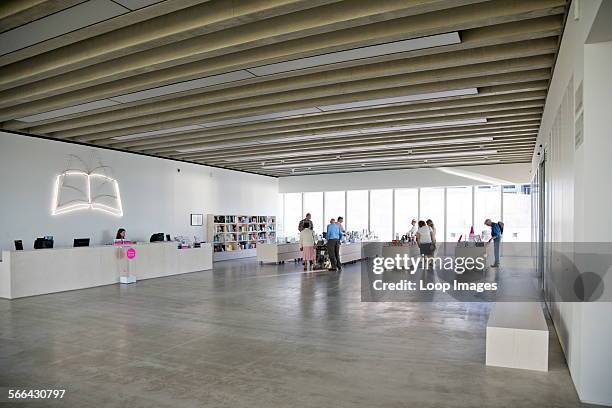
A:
37,272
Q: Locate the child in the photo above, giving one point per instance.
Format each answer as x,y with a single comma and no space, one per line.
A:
307,244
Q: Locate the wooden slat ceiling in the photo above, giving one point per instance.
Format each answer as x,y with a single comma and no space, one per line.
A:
203,81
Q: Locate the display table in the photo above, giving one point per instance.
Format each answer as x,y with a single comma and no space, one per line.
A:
350,252
371,249
278,252
517,336
390,251
473,250
41,271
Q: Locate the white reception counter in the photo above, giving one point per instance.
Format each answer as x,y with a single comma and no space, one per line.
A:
37,272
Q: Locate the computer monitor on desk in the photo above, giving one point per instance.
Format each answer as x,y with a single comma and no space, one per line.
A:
81,242
18,245
42,243
158,237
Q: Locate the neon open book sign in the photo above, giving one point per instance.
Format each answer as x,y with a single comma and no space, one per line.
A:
86,188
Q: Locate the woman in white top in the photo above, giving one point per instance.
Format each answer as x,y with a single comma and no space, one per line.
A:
307,245
424,239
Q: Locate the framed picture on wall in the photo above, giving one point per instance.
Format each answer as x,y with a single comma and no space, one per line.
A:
197,220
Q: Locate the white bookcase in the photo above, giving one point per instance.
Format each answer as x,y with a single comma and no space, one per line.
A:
237,236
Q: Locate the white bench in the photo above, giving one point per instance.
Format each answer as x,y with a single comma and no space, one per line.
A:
517,336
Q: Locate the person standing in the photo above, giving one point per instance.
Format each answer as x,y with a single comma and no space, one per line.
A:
425,240
307,218
307,245
496,237
413,229
333,245
434,236
340,221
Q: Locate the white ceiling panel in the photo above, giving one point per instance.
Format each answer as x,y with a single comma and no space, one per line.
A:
265,116
62,22
358,53
400,99
184,86
103,103
136,4
158,132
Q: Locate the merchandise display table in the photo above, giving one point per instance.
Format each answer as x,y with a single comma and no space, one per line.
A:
278,252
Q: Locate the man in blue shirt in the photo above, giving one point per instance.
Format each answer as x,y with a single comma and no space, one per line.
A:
496,237
333,245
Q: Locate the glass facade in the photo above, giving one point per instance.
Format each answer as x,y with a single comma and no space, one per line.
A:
406,209
388,212
313,204
357,214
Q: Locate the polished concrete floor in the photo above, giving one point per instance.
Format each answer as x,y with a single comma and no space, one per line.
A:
247,335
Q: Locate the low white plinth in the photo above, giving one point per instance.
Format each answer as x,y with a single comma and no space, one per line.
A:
127,279
517,336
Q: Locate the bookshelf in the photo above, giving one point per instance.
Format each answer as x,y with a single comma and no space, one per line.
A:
237,236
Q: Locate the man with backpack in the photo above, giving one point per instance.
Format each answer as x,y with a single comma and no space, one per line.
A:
497,230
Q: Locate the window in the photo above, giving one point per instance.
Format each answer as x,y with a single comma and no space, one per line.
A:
432,207
334,205
280,216
487,204
458,213
406,209
357,210
313,204
293,214
517,213
381,214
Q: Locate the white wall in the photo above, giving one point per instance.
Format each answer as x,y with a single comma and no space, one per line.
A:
156,198
579,196
409,178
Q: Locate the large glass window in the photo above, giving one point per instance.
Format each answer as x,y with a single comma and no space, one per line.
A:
487,204
313,204
517,213
280,216
293,214
381,210
458,213
357,210
406,209
334,205
432,207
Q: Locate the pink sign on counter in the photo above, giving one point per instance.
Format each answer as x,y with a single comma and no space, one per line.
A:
130,253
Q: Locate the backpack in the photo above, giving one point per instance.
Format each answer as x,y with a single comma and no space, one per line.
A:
501,226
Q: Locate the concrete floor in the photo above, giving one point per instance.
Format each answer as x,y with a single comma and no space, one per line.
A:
246,335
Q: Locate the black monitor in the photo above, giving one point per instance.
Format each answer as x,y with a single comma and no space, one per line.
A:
157,237
81,242
42,243
18,245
